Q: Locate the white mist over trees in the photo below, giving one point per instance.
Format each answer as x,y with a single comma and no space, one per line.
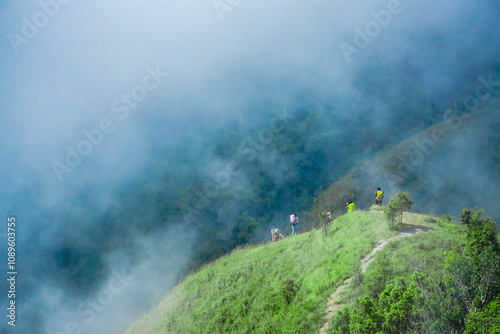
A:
141,139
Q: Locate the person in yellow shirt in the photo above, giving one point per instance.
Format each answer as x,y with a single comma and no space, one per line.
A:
350,206
379,196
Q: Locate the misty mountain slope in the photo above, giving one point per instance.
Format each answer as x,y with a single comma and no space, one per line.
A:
142,139
450,165
283,287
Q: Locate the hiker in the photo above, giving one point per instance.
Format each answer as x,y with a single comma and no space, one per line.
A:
379,196
329,215
294,221
350,206
276,234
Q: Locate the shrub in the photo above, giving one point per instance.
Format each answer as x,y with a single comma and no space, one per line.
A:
395,208
325,219
486,321
394,311
341,322
288,290
474,276
398,303
447,218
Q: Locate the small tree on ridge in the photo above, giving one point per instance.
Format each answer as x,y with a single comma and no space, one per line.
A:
396,206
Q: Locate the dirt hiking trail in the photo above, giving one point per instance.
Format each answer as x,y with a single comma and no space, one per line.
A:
332,307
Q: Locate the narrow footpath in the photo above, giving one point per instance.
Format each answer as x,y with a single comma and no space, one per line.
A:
332,307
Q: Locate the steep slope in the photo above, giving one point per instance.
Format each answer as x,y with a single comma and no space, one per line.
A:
440,166
333,304
246,291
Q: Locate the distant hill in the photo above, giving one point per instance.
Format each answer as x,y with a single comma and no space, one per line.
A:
440,165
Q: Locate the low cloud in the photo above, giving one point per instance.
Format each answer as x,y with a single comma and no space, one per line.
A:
96,133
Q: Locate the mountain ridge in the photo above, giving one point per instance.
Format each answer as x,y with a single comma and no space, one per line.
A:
330,261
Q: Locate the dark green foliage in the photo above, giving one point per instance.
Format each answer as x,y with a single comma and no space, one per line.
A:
481,231
398,304
472,275
340,324
470,280
366,317
464,297
245,228
447,218
392,211
376,280
79,268
394,311
486,321
288,290
363,317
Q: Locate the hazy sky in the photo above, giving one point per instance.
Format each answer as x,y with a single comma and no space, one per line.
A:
90,91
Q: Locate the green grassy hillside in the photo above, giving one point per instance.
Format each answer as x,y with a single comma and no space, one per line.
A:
283,287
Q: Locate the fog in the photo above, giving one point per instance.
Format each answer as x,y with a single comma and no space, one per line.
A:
109,107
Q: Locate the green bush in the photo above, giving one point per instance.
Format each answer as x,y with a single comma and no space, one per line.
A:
325,220
394,311
395,208
447,218
288,290
398,304
486,321
419,303
472,275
